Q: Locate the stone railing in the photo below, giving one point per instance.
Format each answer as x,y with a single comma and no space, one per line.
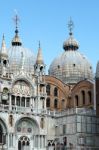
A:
19,109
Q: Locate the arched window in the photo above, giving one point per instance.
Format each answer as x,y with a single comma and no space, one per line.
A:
76,100
27,101
89,96
1,134
5,90
48,102
55,91
23,101
13,99
24,143
18,101
55,103
83,97
63,104
48,89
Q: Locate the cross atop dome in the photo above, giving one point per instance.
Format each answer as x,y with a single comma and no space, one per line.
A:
16,20
16,40
70,43
70,26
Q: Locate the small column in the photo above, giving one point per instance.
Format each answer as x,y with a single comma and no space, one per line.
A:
8,141
42,143
32,101
45,141
38,141
44,103
32,142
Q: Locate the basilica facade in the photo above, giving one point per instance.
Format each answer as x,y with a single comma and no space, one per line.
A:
57,111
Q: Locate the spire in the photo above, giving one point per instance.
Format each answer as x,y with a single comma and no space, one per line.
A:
3,46
16,40
70,43
39,59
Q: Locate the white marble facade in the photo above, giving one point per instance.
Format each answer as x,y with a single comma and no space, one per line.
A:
25,122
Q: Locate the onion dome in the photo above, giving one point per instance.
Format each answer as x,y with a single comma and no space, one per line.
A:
16,40
20,57
70,43
97,70
71,66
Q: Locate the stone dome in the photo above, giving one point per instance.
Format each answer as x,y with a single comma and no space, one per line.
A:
71,66
20,58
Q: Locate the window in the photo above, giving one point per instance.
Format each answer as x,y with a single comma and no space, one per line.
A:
4,63
83,97
5,90
48,89
55,103
27,102
18,101
48,102
23,142
65,141
23,101
13,100
63,104
76,100
64,129
55,91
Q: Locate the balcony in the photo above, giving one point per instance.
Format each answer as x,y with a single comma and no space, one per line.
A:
23,110
36,111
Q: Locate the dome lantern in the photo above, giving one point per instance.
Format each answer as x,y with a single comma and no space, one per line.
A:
70,43
16,40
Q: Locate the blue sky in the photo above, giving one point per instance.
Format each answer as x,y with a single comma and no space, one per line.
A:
46,20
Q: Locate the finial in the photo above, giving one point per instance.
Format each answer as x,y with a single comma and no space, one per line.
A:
16,40
16,20
70,26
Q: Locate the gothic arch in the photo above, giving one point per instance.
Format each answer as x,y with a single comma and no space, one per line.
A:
23,141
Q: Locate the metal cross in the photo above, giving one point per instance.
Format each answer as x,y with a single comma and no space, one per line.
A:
16,20
70,25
